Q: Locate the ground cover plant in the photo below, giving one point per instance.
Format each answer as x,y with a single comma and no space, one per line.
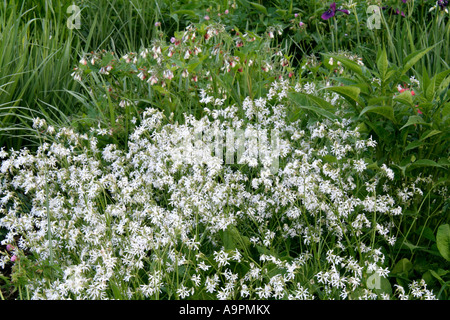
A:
226,150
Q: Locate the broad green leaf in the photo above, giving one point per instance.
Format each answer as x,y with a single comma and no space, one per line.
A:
414,120
444,84
405,97
389,74
187,12
323,107
413,145
436,275
321,103
320,111
425,79
378,100
444,162
385,111
413,58
384,286
350,93
403,266
382,64
259,7
443,241
232,239
439,78
362,127
423,163
429,133
426,232
430,91
347,63
410,246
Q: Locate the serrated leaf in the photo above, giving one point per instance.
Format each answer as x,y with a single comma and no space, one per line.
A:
443,241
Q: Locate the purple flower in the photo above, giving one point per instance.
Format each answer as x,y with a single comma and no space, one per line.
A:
442,4
332,11
393,11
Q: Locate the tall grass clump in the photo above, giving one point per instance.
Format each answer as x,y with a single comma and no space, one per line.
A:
37,55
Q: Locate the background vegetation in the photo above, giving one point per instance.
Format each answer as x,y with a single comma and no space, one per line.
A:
39,56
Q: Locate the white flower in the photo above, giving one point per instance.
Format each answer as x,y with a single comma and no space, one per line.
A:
360,165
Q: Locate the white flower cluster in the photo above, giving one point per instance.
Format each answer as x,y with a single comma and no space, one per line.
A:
169,217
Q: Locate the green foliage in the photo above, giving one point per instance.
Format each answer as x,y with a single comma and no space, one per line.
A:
392,82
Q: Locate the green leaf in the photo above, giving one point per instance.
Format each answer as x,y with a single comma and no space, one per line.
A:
443,241
430,91
323,107
347,63
390,73
187,12
414,120
436,275
320,111
444,162
426,232
439,78
423,163
405,97
429,133
232,239
259,7
385,111
403,266
382,64
413,145
350,93
413,58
